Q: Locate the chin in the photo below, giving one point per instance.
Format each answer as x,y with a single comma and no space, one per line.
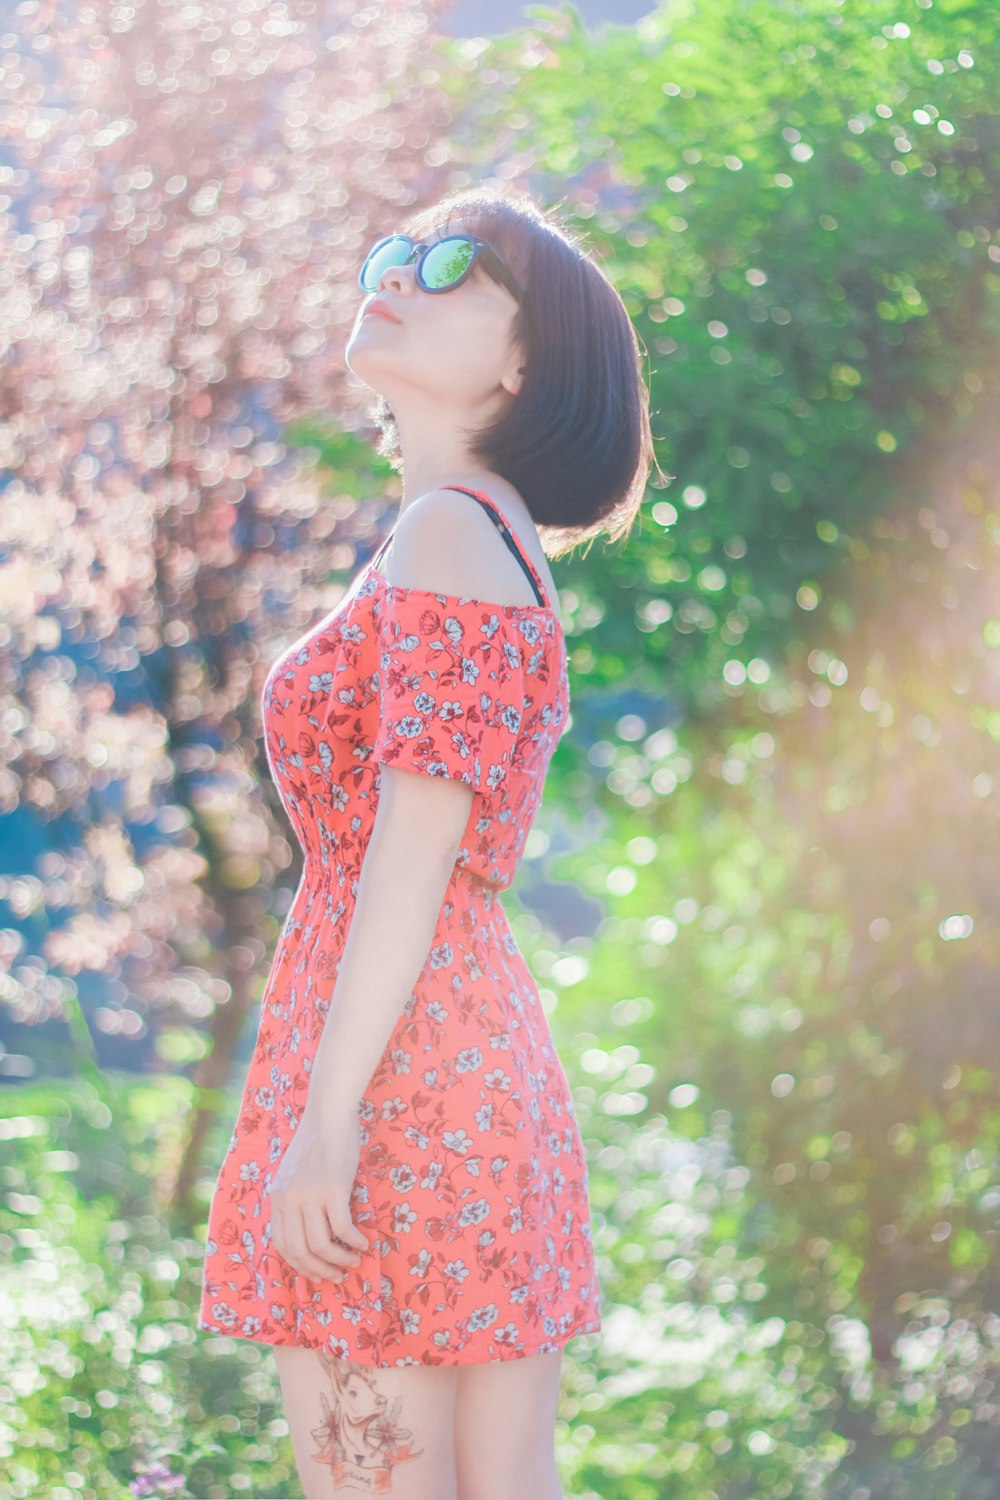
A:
358,360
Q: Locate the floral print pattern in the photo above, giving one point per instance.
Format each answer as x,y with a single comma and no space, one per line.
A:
472,1181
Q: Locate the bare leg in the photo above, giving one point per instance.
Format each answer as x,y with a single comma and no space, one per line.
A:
505,1416
358,1430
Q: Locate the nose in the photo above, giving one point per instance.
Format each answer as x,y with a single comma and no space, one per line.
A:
398,276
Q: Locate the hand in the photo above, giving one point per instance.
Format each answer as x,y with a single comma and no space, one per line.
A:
311,1225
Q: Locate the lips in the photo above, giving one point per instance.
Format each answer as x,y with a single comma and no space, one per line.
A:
378,310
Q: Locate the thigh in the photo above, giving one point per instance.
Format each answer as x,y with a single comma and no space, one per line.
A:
360,1430
505,1419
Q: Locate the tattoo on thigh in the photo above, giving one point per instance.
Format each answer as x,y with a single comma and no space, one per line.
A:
358,1438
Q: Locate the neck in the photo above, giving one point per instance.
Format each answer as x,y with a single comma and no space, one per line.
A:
434,455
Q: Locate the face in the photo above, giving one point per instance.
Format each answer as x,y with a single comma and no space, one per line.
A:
450,351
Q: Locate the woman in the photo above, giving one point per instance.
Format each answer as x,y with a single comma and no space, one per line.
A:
403,1209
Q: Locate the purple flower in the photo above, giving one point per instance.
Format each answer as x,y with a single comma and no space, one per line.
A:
156,1480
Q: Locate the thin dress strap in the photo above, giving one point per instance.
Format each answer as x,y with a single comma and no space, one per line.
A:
500,521
381,551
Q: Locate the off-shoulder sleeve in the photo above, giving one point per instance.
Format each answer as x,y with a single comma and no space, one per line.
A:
451,688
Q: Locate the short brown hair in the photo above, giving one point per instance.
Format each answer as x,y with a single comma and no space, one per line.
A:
575,442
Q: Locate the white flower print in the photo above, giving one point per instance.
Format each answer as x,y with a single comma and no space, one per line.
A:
403,1178
403,1218
457,1140
495,777
339,797
474,1213
441,956
432,1176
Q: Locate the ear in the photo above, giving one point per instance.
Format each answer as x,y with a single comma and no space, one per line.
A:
511,379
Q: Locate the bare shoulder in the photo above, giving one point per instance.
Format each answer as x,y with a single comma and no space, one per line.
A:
445,542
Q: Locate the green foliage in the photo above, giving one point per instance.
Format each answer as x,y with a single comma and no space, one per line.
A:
798,204
103,1370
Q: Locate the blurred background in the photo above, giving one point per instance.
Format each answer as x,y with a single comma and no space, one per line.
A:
762,894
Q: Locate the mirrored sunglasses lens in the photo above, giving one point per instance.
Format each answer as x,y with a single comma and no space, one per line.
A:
394,252
445,262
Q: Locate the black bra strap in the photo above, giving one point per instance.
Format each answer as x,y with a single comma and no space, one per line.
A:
503,530
505,533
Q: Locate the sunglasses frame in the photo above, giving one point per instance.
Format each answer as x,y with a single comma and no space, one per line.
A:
481,249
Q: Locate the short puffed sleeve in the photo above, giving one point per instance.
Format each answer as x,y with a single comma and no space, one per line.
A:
451,687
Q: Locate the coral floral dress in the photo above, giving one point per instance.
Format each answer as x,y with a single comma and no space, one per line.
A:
472,1182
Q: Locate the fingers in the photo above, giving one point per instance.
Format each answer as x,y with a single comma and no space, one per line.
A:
302,1237
341,1245
316,1238
323,1245
343,1228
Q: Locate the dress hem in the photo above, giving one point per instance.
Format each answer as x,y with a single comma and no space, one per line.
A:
550,1346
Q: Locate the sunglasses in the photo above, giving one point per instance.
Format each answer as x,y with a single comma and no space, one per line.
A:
442,265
